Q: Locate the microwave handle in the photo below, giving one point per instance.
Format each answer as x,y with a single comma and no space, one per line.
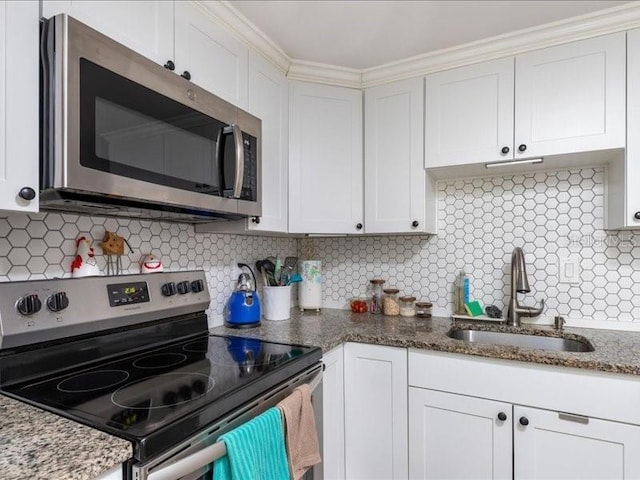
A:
239,177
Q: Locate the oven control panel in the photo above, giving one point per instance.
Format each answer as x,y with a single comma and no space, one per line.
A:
44,310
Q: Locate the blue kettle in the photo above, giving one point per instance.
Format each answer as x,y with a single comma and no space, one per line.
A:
243,307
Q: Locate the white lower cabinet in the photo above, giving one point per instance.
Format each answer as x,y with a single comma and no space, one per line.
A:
455,437
375,389
333,415
555,445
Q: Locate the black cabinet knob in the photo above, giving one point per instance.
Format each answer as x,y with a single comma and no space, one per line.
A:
502,416
524,421
505,150
359,226
57,302
255,220
186,75
415,224
170,65
522,147
168,289
27,193
28,305
636,215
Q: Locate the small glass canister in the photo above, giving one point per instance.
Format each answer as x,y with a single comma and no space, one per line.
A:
390,304
407,306
375,305
423,309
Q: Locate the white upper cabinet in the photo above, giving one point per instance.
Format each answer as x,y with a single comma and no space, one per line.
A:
394,176
145,26
269,101
567,99
469,114
325,159
19,57
213,58
571,98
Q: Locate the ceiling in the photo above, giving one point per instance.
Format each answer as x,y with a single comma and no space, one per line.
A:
368,33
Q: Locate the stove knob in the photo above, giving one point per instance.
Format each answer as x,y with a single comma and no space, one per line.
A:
183,287
197,286
28,305
58,302
168,289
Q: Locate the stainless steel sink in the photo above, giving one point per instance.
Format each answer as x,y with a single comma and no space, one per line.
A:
522,340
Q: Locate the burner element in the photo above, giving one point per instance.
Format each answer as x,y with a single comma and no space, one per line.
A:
178,388
199,346
160,360
92,381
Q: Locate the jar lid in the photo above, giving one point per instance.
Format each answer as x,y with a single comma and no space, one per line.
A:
377,281
391,291
424,304
408,299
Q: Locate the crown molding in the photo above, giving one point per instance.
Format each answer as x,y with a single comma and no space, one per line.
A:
616,19
323,73
231,19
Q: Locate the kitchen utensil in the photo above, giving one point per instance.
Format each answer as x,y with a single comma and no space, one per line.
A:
243,307
295,278
277,271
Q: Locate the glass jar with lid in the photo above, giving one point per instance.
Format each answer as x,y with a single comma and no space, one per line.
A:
375,305
423,309
407,306
390,304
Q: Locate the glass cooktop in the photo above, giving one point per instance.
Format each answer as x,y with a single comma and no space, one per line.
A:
150,397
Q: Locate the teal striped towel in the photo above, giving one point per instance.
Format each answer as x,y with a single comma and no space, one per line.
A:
255,450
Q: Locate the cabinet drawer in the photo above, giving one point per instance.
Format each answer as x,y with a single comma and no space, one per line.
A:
583,392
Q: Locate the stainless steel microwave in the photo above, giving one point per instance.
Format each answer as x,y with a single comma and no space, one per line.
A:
123,136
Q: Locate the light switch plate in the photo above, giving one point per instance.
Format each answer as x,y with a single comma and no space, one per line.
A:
569,270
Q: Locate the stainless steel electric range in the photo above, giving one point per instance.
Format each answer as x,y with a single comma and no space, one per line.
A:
131,355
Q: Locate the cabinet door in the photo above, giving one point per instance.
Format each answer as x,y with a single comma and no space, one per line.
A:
325,159
629,188
375,388
145,26
455,437
333,415
215,60
554,445
571,98
269,101
394,176
19,57
469,114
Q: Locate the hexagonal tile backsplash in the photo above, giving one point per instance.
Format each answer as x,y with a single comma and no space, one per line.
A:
552,215
43,246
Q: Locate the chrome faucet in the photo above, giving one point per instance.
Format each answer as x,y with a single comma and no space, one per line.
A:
519,284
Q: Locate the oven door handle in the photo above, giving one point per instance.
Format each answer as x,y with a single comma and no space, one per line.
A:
206,456
238,180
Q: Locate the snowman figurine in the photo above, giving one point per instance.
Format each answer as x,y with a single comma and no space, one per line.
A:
150,264
84,263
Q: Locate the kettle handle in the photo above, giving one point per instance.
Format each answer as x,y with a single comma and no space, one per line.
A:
241,265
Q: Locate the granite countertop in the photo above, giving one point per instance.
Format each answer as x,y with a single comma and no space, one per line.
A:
38,445
615,351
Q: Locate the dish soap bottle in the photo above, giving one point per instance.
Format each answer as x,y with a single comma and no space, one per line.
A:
461,293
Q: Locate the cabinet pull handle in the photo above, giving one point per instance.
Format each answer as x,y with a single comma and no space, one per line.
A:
255,220
524,421
415,224
522,147
186,75
359,226
170,65
573,418
502,416
636,215
505,150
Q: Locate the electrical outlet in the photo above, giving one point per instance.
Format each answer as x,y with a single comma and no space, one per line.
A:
569,270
